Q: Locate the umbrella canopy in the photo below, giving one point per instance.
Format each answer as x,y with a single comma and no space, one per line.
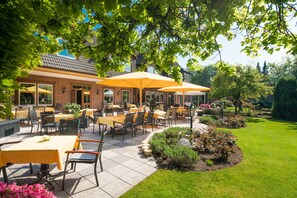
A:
140,80
190,93
33,89
185,87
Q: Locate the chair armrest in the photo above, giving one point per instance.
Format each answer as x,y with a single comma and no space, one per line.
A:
83,152
97,141
5,143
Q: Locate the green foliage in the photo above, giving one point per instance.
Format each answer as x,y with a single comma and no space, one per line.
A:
116,30
215,142
181,155
166,145
234,121
285,99
152,103
72,108
263,102
229,121
210,120
244,83
209,162
288,67
203,77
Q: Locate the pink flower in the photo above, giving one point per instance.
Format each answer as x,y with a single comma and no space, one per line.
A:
34,191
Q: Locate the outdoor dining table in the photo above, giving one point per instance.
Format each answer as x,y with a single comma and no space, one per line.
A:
61,116
89,112
118,119
38,150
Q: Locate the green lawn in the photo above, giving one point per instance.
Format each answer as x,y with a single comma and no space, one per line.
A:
269,168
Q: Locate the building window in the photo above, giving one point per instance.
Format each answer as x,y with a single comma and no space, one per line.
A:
64,52
126,96
108,95
159,96
45,94
28,94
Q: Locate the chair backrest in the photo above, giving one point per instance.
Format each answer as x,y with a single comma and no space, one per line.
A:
139,119
173,113
102,136
129,118
167,114
108,111
150,117
47,117
33,115
120,111
82,119
69,127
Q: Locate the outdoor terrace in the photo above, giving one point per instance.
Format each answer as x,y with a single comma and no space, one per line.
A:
124,166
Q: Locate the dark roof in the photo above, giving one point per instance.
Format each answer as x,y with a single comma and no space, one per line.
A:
80,65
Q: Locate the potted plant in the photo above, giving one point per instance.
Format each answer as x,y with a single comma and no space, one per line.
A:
72,108
152,103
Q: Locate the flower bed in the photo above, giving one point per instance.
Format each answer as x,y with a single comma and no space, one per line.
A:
32,191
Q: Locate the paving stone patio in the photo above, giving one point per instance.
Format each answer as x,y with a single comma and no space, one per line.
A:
124,166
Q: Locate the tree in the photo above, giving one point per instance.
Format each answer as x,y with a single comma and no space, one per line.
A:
259,67
244,83
265,69
285,99
109,32
288,67
204,76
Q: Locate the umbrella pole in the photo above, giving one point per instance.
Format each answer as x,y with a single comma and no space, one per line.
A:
183,99
140,97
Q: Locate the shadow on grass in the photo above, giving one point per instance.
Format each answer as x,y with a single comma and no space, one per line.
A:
292,125
255,120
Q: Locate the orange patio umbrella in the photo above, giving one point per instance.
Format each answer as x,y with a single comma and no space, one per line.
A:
140,80
184,87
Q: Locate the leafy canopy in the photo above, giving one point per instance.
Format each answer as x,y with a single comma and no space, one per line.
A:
110,31
244,83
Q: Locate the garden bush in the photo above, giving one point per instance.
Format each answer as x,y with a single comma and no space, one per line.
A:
165,145
229,121
285,99
210,120
234,121
218,142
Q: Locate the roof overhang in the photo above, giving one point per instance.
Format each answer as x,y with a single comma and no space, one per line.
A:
48,72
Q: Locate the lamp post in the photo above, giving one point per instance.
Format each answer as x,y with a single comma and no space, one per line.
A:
192,113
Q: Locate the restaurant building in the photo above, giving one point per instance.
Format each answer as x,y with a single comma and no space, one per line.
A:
63,79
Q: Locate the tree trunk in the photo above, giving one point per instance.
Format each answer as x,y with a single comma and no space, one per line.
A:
236,104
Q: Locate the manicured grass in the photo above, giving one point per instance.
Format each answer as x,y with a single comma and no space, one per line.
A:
269,168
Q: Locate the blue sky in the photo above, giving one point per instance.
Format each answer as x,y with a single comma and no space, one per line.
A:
231,54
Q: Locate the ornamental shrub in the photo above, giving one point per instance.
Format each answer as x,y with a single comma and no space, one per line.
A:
206,106
32,191
181,155
219,143
210,120
165,145
234,121
285,99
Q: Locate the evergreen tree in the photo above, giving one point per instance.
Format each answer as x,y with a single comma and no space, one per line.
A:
285,99
259,67
265,69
